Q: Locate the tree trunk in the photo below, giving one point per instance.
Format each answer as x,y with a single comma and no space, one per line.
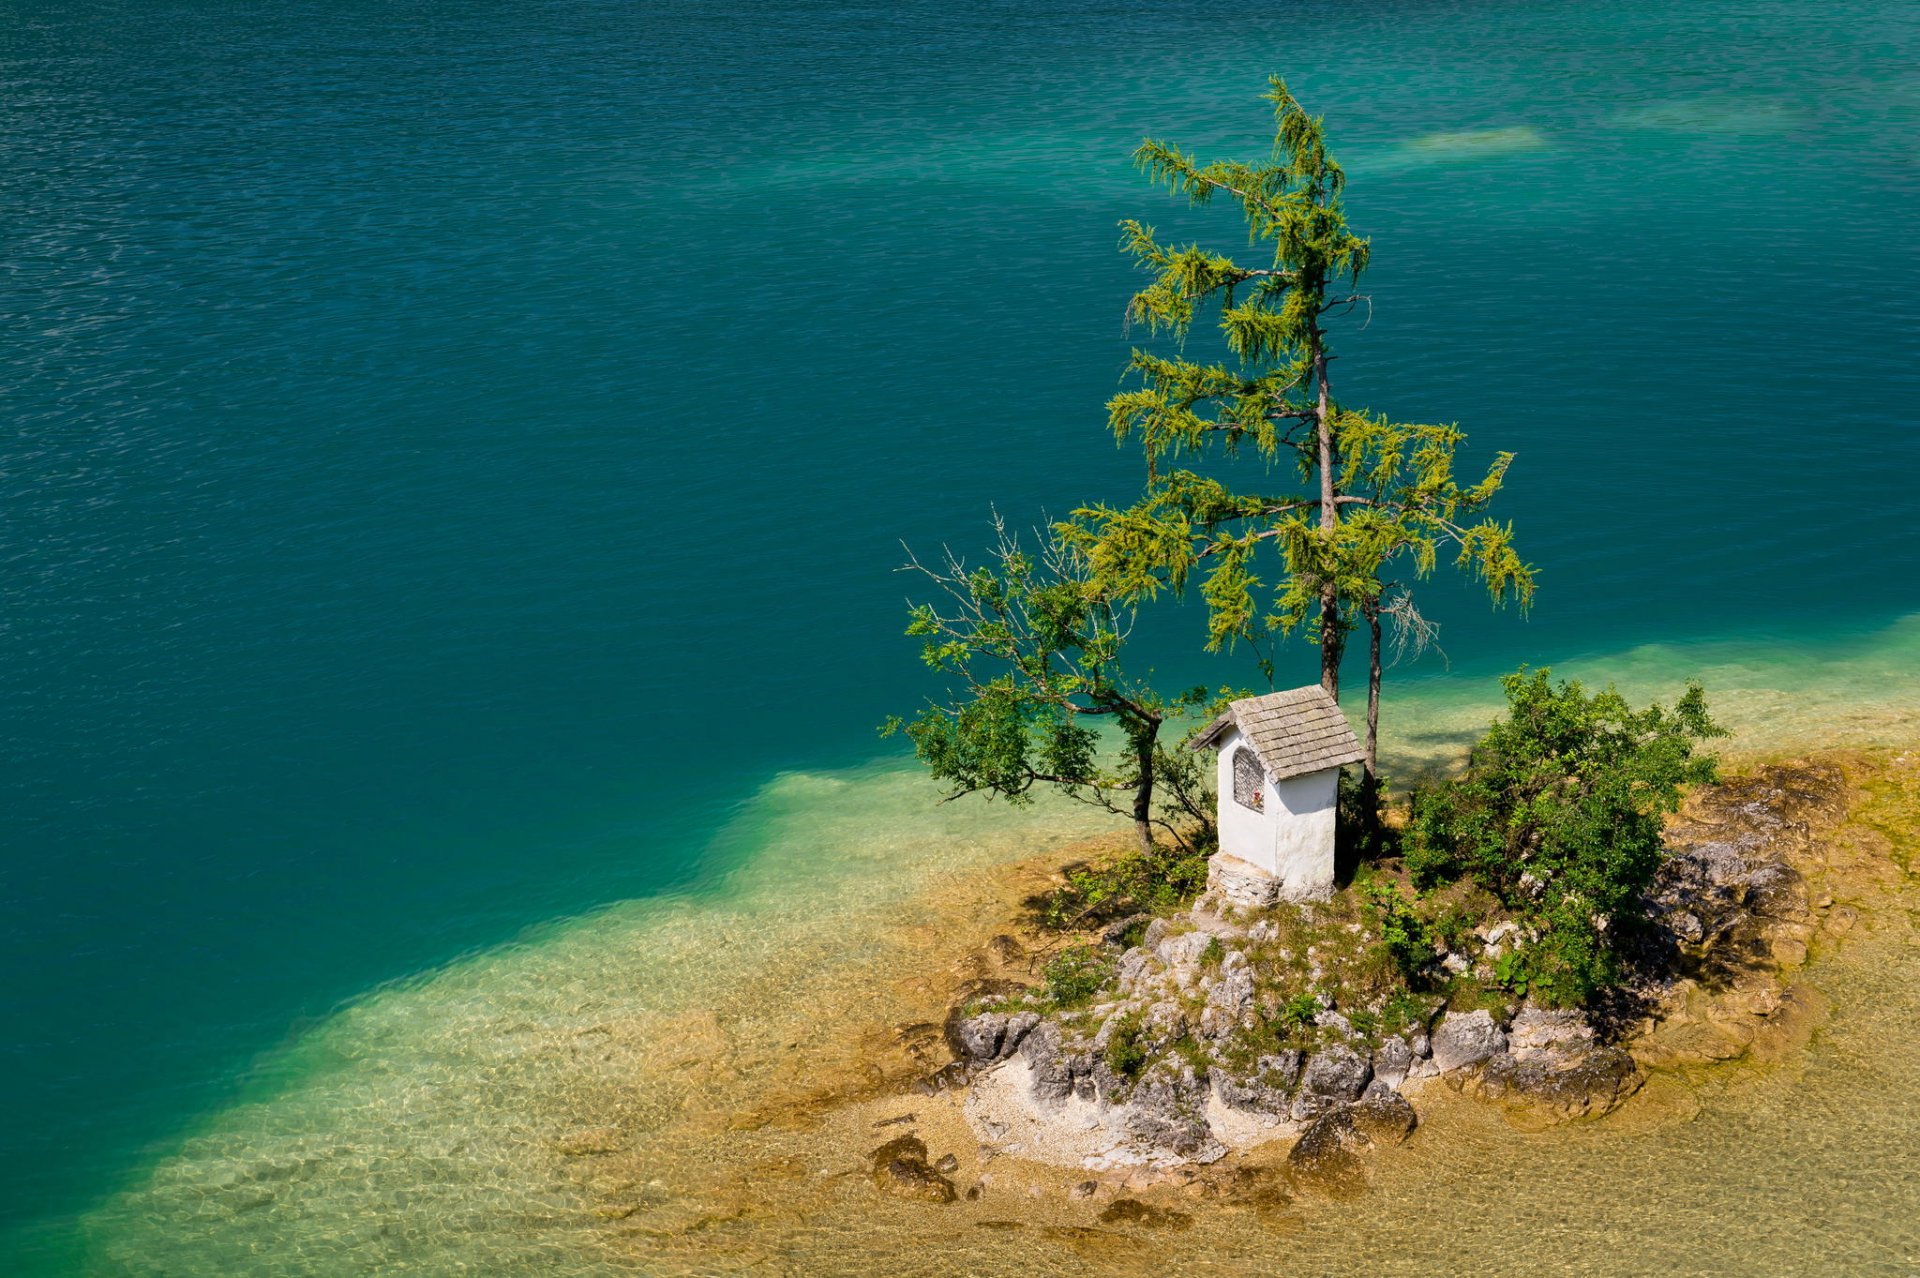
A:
1373,706
1143,791
1332,641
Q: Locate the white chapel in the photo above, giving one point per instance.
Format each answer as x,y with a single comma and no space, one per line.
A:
1279,783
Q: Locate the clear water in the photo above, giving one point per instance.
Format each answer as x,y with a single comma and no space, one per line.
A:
456,452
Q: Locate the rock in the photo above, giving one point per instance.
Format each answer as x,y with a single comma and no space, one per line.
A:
1052,1076
1456,963
1333,1077
1268,1090
1005,949
1115,934
1183,950
1163,1025
947,1164
1230,999
1167,1109
973,994
900,1147
976,1039
900,1169
1019,1025
1391,1061
1131,1211
1547,1089
1498,932
1383,1116
913,1179
1777,891
949,1076
1422,1046
1133,965
1241,884
1540,1032
1336,1022
1327,1155
1463,1040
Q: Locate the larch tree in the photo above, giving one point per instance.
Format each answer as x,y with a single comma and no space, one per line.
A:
1365,506
1276,398
1406,508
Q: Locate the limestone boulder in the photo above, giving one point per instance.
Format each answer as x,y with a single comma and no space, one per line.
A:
1383,1115
1467,1039
1327,1155
1267,1090
1167,1111
1333,1077
1539,1090
1391,1061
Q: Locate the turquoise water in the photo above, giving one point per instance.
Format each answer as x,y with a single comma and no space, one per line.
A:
456,453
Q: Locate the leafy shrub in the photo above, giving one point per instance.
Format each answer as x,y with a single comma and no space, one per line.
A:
1403,935
1075,975
1126,1055
1158,882
1559,816
1362,832
1403,1011
1299,1012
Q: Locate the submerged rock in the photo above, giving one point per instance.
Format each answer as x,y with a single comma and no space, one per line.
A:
1327,1155
1383,1115
1131,1211
900,1169
1561,1089
1539,1032
912,1179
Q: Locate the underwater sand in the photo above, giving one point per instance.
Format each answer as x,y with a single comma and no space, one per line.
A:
648,1089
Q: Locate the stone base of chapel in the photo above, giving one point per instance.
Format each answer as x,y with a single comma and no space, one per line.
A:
1237,882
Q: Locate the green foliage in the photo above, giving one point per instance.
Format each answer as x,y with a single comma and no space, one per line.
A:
1403,935
1214,954
1030,646
1074,975
1156,882
1126,1054
1559,816
1360,826
1298,1013
1404,1011
1324,552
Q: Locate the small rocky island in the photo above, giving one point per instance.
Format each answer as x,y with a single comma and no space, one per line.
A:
1161,1046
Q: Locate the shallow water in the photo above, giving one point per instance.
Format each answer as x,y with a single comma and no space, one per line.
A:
456,456
635,1091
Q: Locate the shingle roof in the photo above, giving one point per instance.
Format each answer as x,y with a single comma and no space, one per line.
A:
1293,732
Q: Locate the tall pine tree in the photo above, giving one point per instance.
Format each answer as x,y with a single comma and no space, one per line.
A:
1362,506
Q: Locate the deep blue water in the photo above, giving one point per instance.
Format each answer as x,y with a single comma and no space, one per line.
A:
455,453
